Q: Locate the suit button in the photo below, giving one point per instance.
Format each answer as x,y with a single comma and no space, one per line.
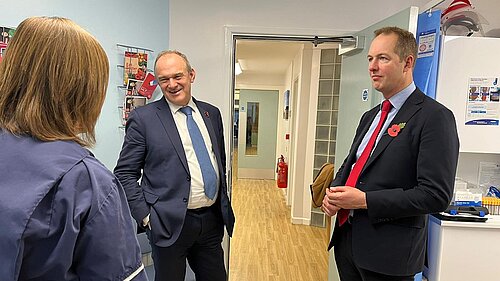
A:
188,178
184,199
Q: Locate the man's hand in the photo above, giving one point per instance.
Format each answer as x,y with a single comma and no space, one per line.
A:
329,209
346,197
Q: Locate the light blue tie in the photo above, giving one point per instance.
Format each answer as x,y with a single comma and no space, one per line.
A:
200,149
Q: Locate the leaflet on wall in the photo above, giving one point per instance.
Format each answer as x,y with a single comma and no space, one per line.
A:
483,106
286,99
426,44
135,66
148,86
131,103
6,34
133,87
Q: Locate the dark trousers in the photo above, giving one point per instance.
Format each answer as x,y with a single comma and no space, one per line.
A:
200,243
348,269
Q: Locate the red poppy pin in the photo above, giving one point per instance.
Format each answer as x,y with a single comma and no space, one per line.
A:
394,130
206,114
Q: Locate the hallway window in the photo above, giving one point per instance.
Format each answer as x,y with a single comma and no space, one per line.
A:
252,133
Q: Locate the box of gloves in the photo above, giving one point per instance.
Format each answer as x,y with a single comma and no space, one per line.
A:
464,196
467,198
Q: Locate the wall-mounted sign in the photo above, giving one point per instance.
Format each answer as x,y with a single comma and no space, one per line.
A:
483,104
364,95
426,44
286,99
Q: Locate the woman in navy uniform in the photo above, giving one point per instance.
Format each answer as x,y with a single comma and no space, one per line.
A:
63,215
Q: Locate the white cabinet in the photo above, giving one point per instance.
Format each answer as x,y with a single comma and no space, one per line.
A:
463,251
462,59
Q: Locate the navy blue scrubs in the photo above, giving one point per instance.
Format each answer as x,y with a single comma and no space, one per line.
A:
63,215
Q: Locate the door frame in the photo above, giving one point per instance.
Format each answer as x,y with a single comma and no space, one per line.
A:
231,33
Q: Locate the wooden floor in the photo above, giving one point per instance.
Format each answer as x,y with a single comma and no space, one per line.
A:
265,245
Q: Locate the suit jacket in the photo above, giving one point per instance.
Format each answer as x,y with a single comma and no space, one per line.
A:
406,178
153,149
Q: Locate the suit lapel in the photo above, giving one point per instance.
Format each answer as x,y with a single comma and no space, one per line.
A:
409,108
167,120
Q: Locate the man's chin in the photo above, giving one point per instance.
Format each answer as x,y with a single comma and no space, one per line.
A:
376,86
177,99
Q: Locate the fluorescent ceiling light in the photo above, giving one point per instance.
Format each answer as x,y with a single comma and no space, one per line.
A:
237,69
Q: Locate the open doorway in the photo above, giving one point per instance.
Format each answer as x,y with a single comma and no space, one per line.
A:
267,226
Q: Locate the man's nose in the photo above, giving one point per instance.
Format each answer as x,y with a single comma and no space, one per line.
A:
171,83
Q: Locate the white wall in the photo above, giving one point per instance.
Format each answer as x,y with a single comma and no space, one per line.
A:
111,22
259,78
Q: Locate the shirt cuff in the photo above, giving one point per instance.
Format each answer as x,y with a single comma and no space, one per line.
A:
145,221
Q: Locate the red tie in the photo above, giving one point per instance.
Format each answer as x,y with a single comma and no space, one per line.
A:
358,167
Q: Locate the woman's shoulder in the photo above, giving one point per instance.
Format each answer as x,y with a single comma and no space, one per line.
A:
94,175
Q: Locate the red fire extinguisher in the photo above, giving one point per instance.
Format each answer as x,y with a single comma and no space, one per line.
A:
282,171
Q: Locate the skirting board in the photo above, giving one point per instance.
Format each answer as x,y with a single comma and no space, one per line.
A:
301,221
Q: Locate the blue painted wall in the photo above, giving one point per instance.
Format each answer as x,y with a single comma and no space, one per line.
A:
143,24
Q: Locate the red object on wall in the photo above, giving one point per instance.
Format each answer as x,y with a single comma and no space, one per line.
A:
282,171
287,136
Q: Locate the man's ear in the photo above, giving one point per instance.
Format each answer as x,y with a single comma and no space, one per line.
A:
192,75
409,62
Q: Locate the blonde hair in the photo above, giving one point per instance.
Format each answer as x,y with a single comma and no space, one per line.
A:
406,44
53,81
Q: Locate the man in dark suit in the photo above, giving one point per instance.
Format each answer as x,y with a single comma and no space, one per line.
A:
176,145
400,168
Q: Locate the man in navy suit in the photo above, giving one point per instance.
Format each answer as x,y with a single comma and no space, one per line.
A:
170,202
383,194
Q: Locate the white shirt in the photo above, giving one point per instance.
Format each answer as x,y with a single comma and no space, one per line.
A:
197,197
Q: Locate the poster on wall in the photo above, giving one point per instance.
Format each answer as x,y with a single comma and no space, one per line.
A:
286,101
135,66
131,103
6,34
148,86
426,44
483,106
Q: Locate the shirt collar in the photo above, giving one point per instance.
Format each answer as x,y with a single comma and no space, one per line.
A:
399,99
